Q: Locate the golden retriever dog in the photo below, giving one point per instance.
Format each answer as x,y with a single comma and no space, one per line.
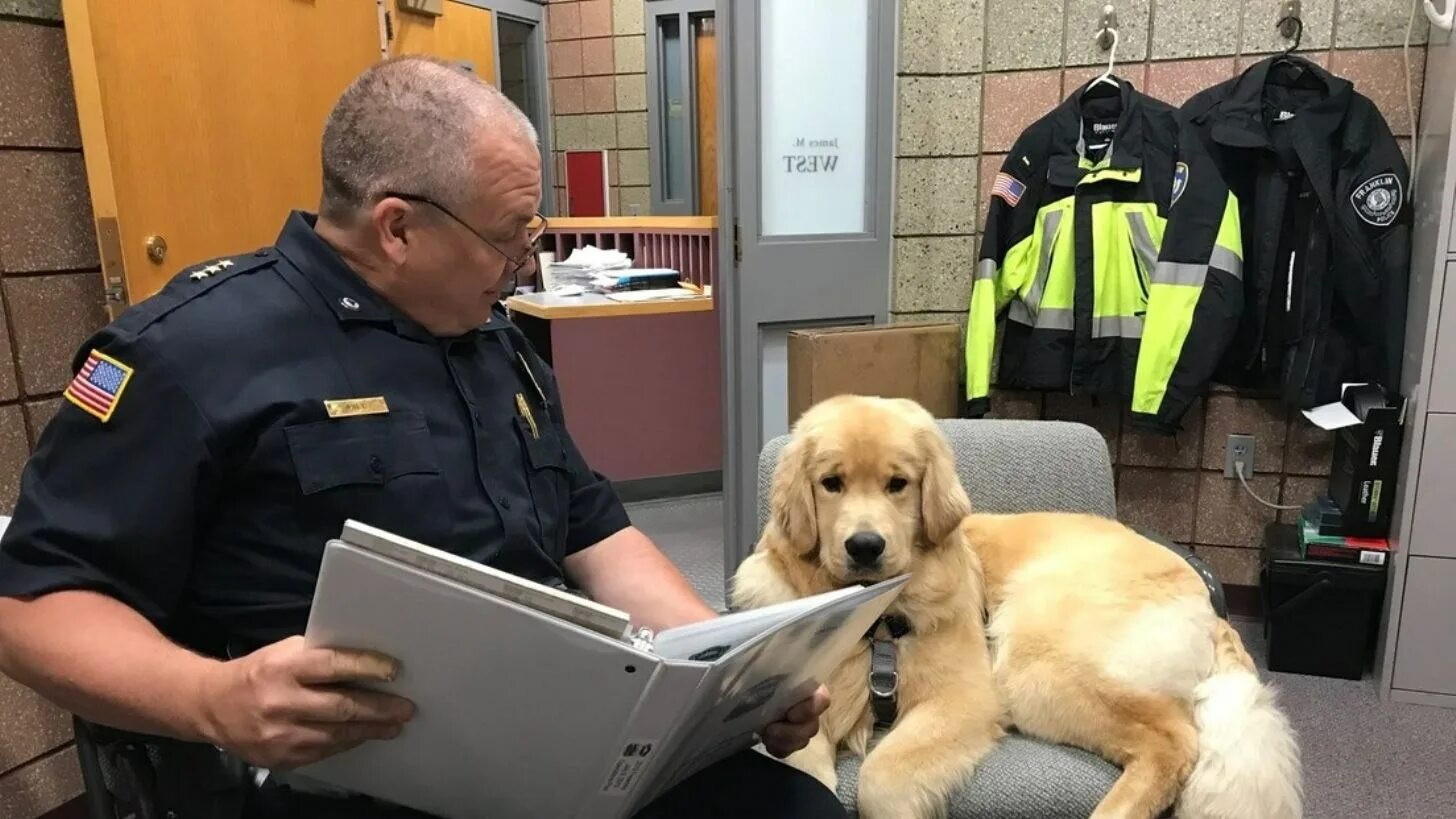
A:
1106,640
866,489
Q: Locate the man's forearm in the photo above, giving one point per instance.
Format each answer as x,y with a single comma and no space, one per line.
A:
96,657
627,571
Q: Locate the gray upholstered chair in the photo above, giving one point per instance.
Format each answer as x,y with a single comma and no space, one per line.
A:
1020,466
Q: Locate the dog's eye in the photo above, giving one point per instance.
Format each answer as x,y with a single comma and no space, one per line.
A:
897,485
832,483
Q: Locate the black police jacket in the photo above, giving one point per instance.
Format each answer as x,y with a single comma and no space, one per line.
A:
1323,193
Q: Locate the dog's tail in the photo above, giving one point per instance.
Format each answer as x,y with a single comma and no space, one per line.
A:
1248,755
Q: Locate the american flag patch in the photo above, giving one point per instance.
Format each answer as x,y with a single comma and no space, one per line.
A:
1008,188
98,385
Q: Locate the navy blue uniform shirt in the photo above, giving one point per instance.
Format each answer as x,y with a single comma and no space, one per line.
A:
196,471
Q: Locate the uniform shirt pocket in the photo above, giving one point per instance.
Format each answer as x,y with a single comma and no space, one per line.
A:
361,451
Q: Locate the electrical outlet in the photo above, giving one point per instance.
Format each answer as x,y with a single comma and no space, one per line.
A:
1238,450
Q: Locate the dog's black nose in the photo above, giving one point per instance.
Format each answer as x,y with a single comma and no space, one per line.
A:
865,548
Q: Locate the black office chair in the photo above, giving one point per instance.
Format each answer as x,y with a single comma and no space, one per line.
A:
138,776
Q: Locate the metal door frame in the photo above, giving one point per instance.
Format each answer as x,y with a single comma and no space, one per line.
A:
532,12
687,68
747,307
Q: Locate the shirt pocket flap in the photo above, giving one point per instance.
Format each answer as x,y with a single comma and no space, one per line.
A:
363,450
543,448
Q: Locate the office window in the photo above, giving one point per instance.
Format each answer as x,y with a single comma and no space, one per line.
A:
682,79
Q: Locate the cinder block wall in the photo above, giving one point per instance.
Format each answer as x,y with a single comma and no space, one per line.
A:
974,73
595,58
50,291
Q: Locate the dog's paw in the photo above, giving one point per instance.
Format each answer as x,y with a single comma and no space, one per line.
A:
884,796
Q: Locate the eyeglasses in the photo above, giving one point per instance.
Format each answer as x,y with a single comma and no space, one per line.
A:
533,241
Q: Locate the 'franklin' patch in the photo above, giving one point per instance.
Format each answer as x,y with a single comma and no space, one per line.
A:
98,385
1180,181
1377,199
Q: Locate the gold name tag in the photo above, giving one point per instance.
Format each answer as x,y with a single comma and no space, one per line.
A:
347,407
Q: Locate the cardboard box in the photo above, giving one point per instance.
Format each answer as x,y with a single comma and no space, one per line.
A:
917,361
1366,461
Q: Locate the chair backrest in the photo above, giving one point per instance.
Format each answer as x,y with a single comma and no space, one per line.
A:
1009,466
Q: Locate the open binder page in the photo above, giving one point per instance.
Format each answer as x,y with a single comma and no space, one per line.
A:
510,702
579,610
759,680
710,639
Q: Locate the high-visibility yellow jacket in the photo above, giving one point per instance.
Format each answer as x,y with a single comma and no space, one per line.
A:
1112,250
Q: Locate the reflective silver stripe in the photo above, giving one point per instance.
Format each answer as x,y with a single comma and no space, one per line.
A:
1062,318
1180,273
1188,273
986,269
1227,261
1142,240
1054,318
1049,224
1117,327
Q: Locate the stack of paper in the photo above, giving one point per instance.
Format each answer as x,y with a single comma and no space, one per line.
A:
590,257
664,294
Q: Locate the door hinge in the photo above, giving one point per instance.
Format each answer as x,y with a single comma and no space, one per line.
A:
737,243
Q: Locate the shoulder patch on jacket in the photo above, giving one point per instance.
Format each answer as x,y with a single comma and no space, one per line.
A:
1180,182
1377,200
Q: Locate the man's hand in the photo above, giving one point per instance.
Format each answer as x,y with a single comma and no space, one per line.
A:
288,705
798,725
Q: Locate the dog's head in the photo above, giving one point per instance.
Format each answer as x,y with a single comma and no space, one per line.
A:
864,487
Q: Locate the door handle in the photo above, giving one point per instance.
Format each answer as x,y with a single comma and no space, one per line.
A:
156,248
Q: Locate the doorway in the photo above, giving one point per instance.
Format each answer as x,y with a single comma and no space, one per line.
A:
805,142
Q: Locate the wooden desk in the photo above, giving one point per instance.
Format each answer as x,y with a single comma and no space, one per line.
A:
571,223
596,305
640,382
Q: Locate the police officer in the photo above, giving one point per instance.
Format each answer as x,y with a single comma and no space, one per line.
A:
161,561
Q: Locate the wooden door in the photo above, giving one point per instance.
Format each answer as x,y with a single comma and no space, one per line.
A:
705,44
462,32
201,121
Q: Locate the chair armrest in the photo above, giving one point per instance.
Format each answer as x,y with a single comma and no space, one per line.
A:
1215,588
154,776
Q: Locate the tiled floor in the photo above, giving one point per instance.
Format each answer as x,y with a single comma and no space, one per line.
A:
1362,757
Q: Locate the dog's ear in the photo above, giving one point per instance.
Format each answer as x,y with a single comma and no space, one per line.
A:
792,497
943,501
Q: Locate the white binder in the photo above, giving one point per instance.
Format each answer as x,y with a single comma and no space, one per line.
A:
533,702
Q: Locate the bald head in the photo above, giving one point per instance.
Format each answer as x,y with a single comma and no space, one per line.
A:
414,124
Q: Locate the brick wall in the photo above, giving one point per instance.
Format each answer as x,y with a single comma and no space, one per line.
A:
596,62
974,73
50,290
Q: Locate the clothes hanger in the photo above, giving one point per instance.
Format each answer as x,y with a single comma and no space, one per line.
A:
1109,28
1105,80
1287,68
